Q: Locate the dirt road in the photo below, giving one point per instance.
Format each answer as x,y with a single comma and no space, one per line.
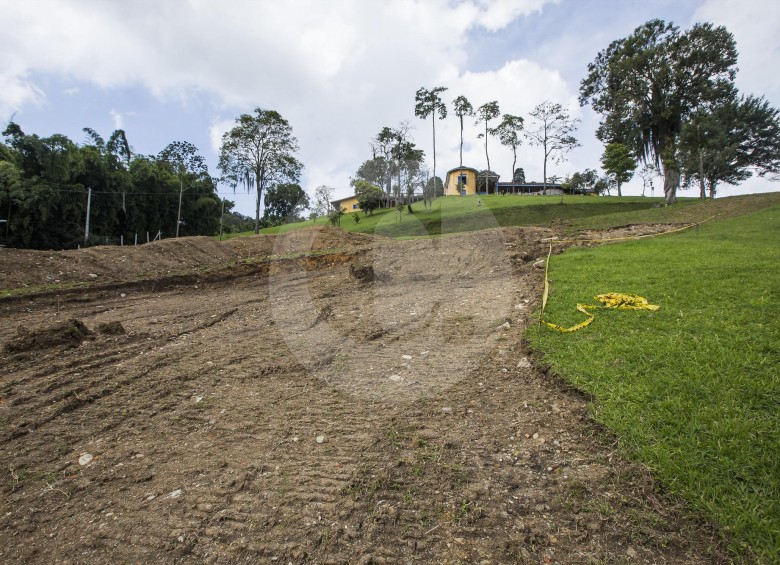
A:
265,406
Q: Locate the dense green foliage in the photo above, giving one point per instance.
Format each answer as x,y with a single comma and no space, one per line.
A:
693,389
259,153
646,86
587,181
284,203
44,183
618,163
369,196
729,141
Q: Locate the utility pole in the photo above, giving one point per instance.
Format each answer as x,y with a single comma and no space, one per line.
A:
89,204
178,216
221,217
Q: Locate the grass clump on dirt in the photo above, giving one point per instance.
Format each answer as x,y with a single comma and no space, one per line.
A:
692,390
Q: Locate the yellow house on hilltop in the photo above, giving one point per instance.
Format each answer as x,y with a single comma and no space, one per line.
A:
460,181
349,204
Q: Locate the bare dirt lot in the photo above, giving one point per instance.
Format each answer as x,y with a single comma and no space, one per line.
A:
254,401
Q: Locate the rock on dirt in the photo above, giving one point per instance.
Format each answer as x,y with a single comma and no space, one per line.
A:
362,273
66,334
111,328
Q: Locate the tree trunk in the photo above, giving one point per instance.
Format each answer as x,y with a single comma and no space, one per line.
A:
544,171
702,193
461,142
671,182
257,211
425,190
514,162
713,185
618,187
487,175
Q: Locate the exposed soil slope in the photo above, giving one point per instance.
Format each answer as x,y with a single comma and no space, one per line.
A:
295,413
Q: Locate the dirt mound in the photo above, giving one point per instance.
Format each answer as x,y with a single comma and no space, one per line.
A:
102,264
68,334
24,267
313,239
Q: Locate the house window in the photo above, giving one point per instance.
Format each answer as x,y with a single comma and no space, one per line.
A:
354,206
462,180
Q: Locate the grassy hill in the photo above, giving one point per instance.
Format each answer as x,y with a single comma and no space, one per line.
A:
692,390
570,214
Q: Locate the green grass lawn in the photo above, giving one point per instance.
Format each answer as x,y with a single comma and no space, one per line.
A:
692,390
454,214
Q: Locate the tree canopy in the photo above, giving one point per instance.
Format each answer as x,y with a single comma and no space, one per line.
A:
729,142
647,84
45,181
508,133
618,162
552,130
369,196
284,202
259,152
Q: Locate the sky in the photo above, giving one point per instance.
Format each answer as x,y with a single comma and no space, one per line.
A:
338,71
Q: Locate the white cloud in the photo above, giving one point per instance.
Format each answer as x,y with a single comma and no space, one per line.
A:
337,70
16,92
217,129
117,118
496,14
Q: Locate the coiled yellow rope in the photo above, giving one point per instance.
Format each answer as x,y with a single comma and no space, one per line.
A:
619,300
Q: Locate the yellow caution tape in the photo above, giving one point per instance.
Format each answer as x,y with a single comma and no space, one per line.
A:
619,300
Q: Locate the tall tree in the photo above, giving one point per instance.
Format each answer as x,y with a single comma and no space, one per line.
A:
428,103
369,196
647,84
519,176
259,152
323,194
462,108
618,162
730,141
508,133
284,201
408,163
647,173
186,164
435,186
384,164
552,131
485,113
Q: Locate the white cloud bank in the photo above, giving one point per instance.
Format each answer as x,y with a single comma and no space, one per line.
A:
337,70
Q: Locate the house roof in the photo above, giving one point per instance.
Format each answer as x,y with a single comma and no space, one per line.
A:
462,169
343,199
456,170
